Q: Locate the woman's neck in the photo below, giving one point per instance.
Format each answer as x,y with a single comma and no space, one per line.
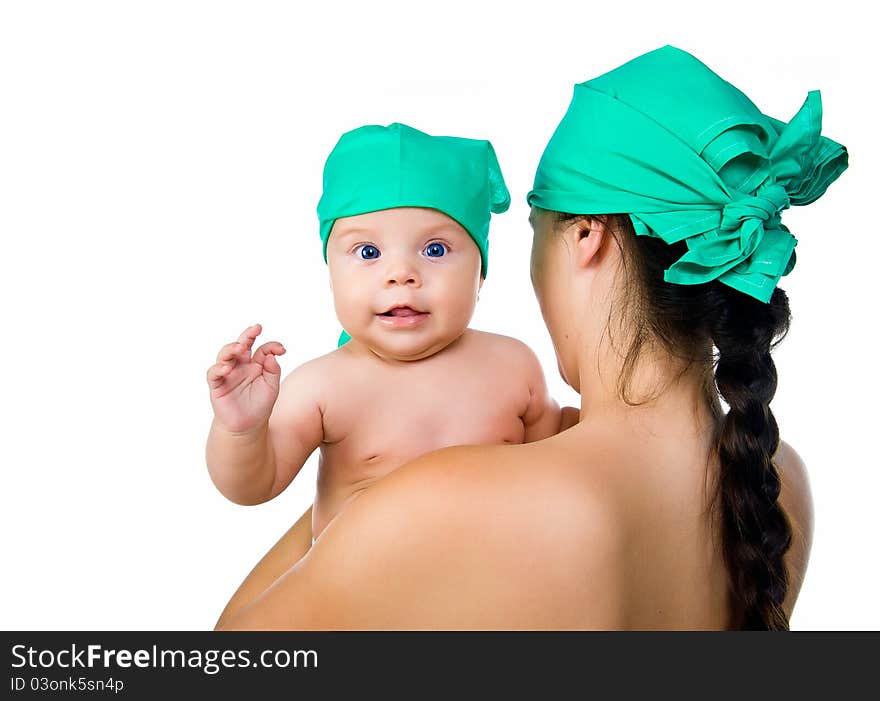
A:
662,393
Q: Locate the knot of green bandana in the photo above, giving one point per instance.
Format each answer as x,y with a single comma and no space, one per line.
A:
690,158
750,232
763,206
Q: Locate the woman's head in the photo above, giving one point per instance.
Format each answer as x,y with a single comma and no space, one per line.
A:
613,290
575,267
688,274
597,283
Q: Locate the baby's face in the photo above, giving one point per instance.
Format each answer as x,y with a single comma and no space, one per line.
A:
404,280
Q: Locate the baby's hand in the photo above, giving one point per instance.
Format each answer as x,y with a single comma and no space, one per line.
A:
244,389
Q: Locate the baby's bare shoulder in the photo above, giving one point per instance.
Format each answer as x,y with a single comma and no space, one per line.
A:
500,346
505,353
315,376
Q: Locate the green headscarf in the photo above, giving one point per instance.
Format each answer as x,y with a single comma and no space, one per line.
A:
688,156
374,167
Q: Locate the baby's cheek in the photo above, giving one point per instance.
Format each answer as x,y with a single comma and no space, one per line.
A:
464,310
347,307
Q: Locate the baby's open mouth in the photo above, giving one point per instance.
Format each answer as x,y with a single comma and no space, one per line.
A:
402,311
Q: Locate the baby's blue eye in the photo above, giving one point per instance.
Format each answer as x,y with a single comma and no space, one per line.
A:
435,250
369,252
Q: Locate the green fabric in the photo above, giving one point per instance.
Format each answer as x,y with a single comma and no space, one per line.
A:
689,157
374,167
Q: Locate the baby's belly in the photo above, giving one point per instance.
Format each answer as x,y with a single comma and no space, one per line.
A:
346,469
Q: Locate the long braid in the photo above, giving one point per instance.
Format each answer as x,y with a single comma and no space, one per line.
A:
756,531
689,320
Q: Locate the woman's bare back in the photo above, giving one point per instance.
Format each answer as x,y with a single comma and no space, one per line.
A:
672,574
557,534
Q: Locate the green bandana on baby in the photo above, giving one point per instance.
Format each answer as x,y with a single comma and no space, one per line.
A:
689,157
373,168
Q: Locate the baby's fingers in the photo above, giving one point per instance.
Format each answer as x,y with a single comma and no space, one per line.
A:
244,343
231,351
265,356
249,335
217,374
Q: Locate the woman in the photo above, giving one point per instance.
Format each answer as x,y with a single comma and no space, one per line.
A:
657,509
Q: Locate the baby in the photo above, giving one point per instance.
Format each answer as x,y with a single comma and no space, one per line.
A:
404,219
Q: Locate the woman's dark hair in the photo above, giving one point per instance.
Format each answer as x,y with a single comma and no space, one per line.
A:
712,324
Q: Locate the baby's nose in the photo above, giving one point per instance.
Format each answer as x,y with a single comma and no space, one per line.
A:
403,272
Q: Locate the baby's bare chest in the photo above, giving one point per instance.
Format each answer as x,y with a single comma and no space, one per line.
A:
392,418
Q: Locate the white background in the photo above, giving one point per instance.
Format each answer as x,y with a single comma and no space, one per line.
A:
160,163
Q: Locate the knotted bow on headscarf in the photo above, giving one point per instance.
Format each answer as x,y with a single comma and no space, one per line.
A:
689,157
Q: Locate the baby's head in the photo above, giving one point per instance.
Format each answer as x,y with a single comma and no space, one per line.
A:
404,280
404,222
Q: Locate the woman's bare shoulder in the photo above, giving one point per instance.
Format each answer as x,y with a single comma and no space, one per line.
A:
477,537
797,502
796,495
516,521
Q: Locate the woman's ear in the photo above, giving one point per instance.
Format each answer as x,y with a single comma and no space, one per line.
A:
586,237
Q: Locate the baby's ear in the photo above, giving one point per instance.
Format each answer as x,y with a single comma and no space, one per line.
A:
499,196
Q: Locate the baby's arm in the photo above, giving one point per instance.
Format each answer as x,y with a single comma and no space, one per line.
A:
543,417
296,426
570,416
251,463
